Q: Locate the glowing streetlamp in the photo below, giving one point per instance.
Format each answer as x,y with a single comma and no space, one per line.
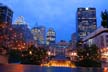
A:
30,52
49,53
73,54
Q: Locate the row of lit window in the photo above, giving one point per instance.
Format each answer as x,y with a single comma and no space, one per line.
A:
50,38
51,34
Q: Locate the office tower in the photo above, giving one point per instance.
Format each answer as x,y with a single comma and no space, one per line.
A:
22,32
6,14
51,36
39,34
85,22
74,40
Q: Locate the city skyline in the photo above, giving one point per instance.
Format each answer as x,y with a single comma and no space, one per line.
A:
61,15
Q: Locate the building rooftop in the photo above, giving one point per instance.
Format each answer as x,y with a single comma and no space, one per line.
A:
2,5
96,32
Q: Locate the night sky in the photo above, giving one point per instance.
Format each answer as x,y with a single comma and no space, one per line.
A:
59,14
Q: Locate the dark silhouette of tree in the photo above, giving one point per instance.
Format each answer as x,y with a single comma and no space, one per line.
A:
3,50
14,55
89,56
33,55
104,16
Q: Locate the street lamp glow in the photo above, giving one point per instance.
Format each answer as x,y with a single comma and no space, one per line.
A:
49,53
73,54
30,52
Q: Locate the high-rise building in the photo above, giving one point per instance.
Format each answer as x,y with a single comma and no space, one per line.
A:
86,22
39,34
23,32
6,14
74,40
51,37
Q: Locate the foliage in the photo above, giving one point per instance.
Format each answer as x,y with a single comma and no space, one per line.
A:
14,56
79,44
88,63
2,46
33,55
104,16
88,55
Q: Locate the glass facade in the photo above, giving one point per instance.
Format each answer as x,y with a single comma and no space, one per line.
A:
51,36
86,22
39,34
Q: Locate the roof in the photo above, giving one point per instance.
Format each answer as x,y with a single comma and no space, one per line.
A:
95,33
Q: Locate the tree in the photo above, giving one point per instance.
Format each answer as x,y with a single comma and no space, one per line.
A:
104,16
89,56
14,55
33,55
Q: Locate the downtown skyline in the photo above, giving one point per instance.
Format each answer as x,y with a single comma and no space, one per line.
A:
61,15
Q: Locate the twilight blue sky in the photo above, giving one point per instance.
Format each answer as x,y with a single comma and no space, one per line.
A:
59,14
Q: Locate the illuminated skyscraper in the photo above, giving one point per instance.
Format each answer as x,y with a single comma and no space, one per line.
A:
51,37
39,34
86,22
74,40
22,30
6,15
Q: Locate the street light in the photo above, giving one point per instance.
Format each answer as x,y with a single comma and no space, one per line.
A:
30,52
49,53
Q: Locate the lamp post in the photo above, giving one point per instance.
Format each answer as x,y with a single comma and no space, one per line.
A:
30,52
73,55
49,54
